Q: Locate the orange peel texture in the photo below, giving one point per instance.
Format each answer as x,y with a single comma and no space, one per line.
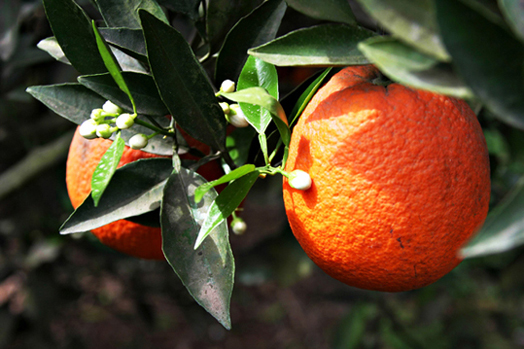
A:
401,181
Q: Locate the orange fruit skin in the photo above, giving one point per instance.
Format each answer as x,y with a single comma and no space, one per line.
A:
400,178
125,236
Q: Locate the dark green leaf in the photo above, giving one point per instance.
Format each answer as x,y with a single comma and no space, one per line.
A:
183,84
323,45
235,174
224,205
410,67
187,7
50,45
142,87
124,13
222,15
412,21
488,58
306,96
135,188
257,73
112,65
513,11
503,229
257,28
330,10
106,169
73,31
259,96
130,41
238,144
71,101
207,273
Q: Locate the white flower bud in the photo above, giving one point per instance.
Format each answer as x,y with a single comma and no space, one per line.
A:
97,114
225,107
111,108
124,121
236,116
300,180
138,141
227,86
88,129
238,226
104,131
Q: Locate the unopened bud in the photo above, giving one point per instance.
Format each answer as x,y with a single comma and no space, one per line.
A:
104,131
124,121
225,107
300,180
236,116
238,226
227,86
111,108
88,129
138,141
97,114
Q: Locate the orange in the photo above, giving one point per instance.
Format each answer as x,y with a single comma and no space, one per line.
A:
400,181
124,236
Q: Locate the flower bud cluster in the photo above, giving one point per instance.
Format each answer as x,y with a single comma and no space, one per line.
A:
234,115
105,121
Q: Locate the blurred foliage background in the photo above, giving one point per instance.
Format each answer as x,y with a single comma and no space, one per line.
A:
72,292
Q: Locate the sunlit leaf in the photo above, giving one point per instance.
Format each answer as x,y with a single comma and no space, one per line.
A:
410,67
412,21
322,45
106,169
135,188
124,13
50,45
235,174
225,204
207,273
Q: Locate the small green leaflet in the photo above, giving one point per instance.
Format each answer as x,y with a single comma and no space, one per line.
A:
112,64
235,174
106,168
306,96
225,204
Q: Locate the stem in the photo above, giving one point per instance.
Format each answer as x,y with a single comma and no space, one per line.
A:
153,127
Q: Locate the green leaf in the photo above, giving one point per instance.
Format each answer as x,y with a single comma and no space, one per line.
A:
187,7
73,31
130,41
488,58
135,188
238,144
306,96
225,204
183,84
106,169
322,45
330,10
222,15
412,21
50,45
410,67
503,229
235,174
112,65
259,96
71,101
207,273
142,87
513,11
257,28
124,13
257,73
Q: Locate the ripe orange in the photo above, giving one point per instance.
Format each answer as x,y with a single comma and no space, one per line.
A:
124,236
400,181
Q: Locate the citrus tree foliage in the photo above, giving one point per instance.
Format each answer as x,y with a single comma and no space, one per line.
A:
132,54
